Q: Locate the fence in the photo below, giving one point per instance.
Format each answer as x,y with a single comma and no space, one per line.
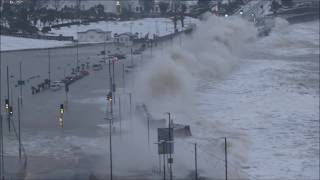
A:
37,36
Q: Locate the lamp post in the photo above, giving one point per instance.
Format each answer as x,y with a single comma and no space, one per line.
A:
170,144
1,130
109,98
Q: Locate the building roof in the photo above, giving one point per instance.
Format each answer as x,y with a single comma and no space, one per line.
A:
126,34
95,30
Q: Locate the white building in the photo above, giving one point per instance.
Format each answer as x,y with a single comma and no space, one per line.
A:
125,38
94,35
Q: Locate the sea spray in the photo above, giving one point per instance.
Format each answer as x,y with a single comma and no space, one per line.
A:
168,83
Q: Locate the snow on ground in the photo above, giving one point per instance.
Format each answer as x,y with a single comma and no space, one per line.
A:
158,26
17,43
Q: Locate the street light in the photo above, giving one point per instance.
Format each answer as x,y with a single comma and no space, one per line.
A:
109,96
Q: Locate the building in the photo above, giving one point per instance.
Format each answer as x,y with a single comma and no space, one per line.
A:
94,35
109,5
125,38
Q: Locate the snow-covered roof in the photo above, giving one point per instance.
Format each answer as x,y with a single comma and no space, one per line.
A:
126,34
95,30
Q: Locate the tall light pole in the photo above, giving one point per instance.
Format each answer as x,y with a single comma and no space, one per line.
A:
49,66
170,144
226,157
1,129
8,96
109,98
19,127
20,82
196,161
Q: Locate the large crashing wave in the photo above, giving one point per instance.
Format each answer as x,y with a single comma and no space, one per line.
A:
169,81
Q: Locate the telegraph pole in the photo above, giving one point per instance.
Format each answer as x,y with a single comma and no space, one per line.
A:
123,78
130,103
120,118
110,139
225,157
170,145
131,56
195,161
19,128
114,84
8,95
164,160
49,66
20,83
1,129
109,98
77,62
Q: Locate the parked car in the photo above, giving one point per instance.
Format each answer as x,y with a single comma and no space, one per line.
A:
137,51
55,87
97,67
60,83
119,56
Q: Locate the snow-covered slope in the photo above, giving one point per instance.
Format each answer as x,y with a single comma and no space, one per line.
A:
17,43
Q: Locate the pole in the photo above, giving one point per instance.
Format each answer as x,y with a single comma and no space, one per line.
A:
123,79
120,114
77,62
113,85
196,161
170,144
8,95
164,162
49,66
110,139
20,83
110,78
148,122
130,103
1,133
1,129
1,146
159,164
19,128
225,157
151,48
131,54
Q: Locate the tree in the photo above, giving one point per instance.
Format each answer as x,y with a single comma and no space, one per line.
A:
126,13
100,10
163,7
275,6
203,4
182,13
148,4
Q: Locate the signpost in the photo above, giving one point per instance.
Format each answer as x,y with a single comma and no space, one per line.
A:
165,146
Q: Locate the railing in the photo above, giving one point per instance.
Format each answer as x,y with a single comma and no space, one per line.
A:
37,36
